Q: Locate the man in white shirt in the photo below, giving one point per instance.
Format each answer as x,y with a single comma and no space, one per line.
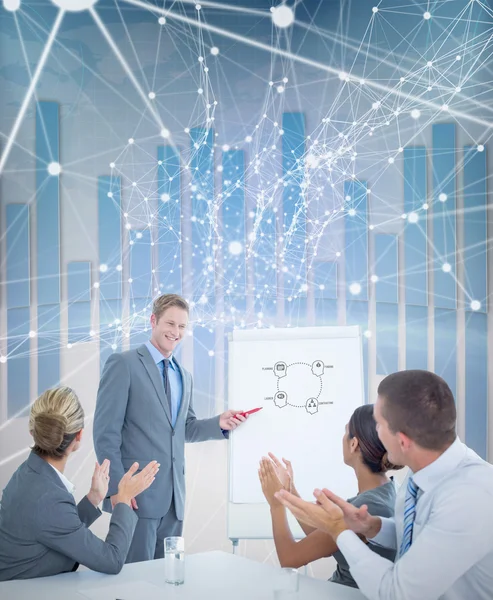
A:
443,525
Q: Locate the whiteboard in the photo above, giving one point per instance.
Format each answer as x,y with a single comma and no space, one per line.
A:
309,381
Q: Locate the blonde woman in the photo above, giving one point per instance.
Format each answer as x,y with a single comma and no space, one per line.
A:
42,530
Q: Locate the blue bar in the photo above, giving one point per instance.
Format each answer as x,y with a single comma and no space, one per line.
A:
79,301
294,207
446,346
444,215
204,371
109,237
357,314
48,346
386,293
233,230
415,256
476,344
203,234
475,223
386,268
18,371
140,313
110,311
169,231
18,291
416,337
47,203
141,264
325,292
110,263
356,224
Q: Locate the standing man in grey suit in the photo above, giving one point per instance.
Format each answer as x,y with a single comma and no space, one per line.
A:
144,411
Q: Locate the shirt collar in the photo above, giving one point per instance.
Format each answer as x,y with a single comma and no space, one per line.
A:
427,478
156,356
68,484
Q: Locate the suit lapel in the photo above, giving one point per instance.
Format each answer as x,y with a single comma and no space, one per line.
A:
185,390
153,372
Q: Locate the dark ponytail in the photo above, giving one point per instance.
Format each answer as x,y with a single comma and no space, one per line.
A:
363,427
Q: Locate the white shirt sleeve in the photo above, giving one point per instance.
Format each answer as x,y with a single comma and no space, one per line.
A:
457,535
386,537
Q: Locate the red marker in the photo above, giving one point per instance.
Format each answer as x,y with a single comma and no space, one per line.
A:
250,412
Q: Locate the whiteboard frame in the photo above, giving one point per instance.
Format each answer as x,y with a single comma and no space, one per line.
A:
250,521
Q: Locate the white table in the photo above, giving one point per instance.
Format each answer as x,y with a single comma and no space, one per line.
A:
208,576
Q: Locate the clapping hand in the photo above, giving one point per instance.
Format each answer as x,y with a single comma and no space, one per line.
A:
284,472
269,481
99,483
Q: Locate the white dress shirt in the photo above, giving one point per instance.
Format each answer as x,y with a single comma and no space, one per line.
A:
68,484
451,557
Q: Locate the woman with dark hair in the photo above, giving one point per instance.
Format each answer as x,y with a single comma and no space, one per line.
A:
364,452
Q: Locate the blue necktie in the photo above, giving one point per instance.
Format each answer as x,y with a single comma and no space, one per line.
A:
409,516
167,386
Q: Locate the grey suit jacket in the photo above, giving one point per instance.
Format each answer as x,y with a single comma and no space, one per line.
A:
43,532
132,423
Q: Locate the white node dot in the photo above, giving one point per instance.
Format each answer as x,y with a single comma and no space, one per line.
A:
338,254
200,91
96,285
74,5
248,139
164,133
112,165
114,346
427,16
152,95
119,267
425,206
32,334
198,7
413,217
475,305
103,268
458,89
214,51
367,333
165,197
480,148
235,248
374,278
355,289
211,353
69,346
110,194
280,89
162,21
12,5
351,212
442,197
415,114
429,63
92,333
54,168
391,160
3,359
458,57
446,267
375,9
282,16
131,140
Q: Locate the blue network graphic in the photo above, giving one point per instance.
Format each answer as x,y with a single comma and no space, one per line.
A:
280,164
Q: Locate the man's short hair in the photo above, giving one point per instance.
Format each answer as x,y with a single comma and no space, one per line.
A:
165,301
420,405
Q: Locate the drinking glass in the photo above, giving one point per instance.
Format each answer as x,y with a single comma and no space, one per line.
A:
174,560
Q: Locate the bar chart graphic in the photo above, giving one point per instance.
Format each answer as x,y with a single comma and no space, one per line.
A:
276,207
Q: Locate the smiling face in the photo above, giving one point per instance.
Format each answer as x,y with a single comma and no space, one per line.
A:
169,329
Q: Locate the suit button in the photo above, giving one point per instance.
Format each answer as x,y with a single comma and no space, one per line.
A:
174,459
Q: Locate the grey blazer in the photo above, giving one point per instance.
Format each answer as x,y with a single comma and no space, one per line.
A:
43,532
132,422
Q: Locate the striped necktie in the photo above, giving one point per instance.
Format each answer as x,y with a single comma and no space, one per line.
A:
409,516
